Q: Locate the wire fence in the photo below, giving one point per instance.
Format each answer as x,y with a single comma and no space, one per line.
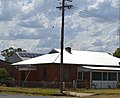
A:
45,84
42,84
76,84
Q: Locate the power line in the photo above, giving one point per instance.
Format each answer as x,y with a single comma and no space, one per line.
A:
47,39
97,18
86,13
92,14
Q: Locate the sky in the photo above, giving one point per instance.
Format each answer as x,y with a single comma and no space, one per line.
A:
35,25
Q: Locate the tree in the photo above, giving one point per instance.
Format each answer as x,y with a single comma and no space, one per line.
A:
117,53
9,52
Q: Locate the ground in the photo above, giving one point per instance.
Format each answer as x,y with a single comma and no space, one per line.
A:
104,96
54,93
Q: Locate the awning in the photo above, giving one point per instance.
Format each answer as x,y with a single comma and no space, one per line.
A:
102,68
26,69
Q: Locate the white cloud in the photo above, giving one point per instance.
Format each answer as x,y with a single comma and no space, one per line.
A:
35,24
96,4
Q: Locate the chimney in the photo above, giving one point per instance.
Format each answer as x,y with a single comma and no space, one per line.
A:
68,49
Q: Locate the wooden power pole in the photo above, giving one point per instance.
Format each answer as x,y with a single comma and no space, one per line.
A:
119,24
62,40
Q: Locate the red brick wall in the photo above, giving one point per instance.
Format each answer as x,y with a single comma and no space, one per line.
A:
16,74
32,75
88,79
53,72
73,72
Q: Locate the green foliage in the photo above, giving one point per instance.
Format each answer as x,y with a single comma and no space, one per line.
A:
4,76
117,53
118,85
9,52
3,73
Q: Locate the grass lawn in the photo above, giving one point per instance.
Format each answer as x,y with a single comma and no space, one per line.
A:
30,91
99,93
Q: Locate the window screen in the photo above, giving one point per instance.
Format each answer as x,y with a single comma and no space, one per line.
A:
97,76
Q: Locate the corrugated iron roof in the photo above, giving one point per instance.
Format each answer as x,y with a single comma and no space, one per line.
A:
75,57
101,68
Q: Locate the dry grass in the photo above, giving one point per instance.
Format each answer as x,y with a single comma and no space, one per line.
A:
30,91
99,93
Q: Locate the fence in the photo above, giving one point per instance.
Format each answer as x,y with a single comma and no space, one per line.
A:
42,84
45,84
79,84
83,84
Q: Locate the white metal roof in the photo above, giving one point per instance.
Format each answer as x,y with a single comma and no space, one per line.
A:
102,68
48,58
75,57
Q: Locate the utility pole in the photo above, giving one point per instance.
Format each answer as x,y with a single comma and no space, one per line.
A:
62,39
119,24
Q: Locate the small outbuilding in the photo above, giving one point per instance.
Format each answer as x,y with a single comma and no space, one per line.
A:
21,56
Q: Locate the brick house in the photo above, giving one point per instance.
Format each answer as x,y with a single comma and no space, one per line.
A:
89,69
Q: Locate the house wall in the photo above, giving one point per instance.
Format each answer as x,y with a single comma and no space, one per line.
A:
32,75
52,73
73,72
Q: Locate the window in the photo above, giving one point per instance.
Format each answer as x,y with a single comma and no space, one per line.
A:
97,76
105,76
82,75
112,76
44,73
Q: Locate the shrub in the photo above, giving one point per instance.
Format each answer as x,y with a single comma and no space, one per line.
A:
5,78
118,85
